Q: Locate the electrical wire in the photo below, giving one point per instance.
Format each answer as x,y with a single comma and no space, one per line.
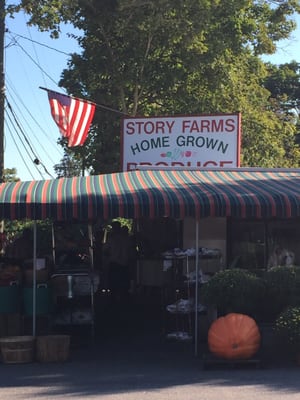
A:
18,150
29,56
14,41
97,105
39,43
21,153
34,48
36,159
21,128
41,144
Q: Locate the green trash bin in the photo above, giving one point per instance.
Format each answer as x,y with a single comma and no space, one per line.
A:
44,300
9,299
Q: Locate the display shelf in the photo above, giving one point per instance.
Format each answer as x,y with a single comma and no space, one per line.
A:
180,288
74,297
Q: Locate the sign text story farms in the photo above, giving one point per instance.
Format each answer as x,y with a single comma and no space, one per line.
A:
188,141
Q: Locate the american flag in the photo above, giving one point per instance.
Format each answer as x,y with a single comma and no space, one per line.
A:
73,116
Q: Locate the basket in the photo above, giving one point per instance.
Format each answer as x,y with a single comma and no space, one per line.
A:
52,348
17,349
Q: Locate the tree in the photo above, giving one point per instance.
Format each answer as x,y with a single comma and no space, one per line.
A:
172,57
283,83
10,175
71,164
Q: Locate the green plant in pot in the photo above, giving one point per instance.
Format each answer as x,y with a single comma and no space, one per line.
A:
287,327
233,290
280,284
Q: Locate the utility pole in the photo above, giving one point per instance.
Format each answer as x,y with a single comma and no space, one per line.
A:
2,87
2,94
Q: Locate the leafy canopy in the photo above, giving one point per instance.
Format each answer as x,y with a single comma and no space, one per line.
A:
141,57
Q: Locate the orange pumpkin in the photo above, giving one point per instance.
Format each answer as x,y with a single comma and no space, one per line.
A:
235,336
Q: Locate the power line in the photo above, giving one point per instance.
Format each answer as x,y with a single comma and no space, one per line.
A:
43,71
36,160
21,153
29,56
40,44
18,150
41,144
17,41
34,49
22,129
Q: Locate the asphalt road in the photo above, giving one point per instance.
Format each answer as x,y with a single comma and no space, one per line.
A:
145,367
130,358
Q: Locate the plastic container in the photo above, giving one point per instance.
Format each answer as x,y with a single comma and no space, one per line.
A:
44,300
9,299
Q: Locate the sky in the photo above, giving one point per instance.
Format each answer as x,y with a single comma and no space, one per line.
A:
33,60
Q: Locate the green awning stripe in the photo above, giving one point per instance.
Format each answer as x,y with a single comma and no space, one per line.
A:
216,193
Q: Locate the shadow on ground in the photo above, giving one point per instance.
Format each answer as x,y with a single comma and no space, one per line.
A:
130,353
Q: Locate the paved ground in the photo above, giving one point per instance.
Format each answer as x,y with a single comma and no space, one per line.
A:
146,368
133,361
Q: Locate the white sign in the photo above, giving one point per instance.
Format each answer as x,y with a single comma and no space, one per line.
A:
187,141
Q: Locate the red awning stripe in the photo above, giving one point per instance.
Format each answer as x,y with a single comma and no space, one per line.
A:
239,193
218,185
236,181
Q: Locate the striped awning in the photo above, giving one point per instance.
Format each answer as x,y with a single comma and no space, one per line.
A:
243,193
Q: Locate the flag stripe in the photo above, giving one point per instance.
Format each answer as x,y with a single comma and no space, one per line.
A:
73,117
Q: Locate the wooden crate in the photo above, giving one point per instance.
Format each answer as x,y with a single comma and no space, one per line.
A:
17,349
52,348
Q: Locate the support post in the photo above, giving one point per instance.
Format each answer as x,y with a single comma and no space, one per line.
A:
34,281
2,87
197,288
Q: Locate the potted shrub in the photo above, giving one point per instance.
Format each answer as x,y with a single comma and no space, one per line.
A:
233,290
287,327
281,285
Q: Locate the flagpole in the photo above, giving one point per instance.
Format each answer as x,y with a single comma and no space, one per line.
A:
66,95
83,165
87,101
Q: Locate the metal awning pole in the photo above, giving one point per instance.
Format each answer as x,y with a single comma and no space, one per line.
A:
92,265
34,282
196,288
53,245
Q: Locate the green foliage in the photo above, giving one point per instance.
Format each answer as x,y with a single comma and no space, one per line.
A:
123,222
287,326
10,175
233,290
281,279
13,229
262,297
175,57
71,164
280,291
